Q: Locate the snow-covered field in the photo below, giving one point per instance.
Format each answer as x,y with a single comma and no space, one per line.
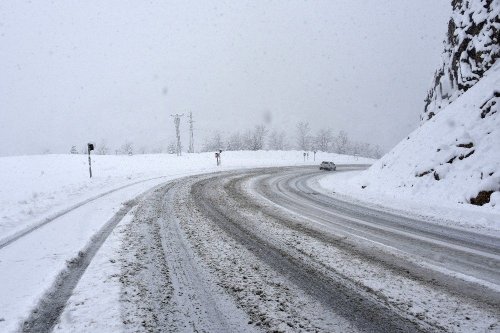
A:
443,165
36,189
57,188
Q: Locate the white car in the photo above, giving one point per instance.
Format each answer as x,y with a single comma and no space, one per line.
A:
330,166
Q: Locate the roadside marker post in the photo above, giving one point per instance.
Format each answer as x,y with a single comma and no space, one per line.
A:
218,157
90,148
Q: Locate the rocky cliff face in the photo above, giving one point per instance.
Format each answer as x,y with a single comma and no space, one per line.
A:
454,156
471,48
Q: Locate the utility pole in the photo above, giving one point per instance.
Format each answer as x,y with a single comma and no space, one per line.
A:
191,137
177,122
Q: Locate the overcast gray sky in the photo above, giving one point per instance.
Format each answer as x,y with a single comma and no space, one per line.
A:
74,71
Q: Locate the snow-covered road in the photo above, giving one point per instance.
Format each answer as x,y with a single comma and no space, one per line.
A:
265,250
395,273
261,250
472,256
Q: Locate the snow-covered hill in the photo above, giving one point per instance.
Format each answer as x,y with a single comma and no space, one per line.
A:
453,158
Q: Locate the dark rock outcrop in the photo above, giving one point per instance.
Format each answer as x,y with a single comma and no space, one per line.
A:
471,48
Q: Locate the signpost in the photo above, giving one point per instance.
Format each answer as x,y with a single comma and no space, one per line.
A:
90,148
218,157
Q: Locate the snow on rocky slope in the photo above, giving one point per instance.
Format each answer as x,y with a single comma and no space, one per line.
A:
453,158
444,165
471,48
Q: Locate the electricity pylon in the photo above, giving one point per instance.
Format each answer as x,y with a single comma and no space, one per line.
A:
177,122
191,135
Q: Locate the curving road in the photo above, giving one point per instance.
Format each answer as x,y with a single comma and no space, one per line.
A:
472,256
267,250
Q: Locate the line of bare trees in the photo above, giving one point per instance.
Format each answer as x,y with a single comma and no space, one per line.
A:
102,148
260,138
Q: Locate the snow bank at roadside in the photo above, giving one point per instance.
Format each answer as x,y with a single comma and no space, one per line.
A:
448,161
34,187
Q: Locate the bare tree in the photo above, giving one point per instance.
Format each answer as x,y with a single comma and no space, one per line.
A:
246,140
276,140
127,148
258,137
342,143
234,142
215,142
73,150
377,152
364,149
303,135
102,148
171,147
356,148
324,139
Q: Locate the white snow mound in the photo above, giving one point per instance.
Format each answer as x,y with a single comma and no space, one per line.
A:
450,158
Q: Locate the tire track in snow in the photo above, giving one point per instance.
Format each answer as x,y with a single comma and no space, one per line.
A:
10,239
459,252
363,312
49,308
434,290
165,287
203,306
46,313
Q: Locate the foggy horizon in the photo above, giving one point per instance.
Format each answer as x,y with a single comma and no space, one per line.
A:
78,72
